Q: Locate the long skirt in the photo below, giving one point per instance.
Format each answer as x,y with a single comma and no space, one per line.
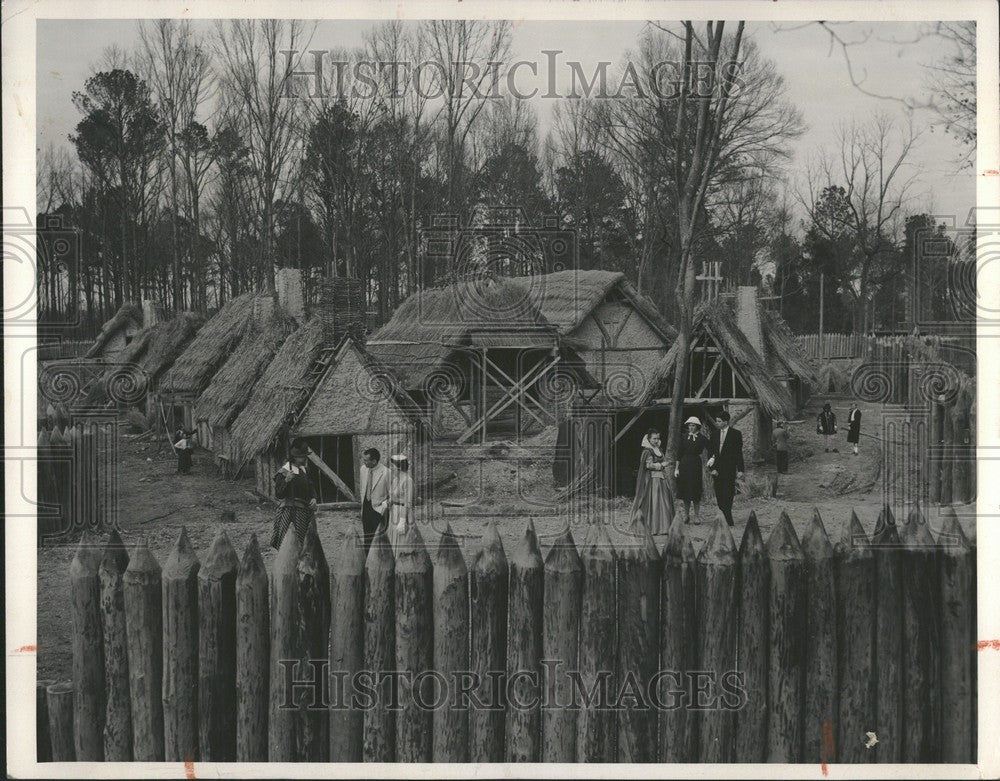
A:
689,482
295,515
656,506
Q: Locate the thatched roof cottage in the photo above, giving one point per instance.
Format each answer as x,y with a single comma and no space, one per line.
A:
117,333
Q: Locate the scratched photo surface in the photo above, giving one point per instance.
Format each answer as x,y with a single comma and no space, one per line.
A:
453,390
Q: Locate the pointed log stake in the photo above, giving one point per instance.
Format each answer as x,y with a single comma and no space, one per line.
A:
596,723
180,652
921,641
677,736
787,658
753,642
253,655
947,452
935,436
380,650
820,701
118,714
347,646
217,652
43,740
887,549
313,722
451,648
560,637
716,571
524,650
286,650
88,651
60,706
956,627
488,596
855,574
414,647
142,584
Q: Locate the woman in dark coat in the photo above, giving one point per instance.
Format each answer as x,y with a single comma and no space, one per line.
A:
184,445
654,504
854,426
826,426
295,494
689,467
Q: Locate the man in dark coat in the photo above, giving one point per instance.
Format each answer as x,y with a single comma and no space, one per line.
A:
726,463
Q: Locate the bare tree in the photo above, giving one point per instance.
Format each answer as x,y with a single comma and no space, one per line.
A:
953,80
872,169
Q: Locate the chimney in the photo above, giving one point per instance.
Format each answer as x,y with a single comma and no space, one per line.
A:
288,284
748,317
150,314
341,308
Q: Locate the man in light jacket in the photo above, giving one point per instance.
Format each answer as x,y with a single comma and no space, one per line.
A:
374,493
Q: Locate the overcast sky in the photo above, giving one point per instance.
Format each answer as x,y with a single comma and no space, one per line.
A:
817,80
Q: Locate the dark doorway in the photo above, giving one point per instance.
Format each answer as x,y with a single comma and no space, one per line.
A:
337,452
628,448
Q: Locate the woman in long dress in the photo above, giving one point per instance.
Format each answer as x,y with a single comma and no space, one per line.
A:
689,470
400,499
654,503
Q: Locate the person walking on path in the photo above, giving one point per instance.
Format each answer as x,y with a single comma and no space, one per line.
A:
653,502
185,443
854,426
295,493
374,493
400,498
826,426
689,469
781,448
727,463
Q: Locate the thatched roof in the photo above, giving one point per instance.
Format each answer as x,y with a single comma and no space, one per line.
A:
279,394
192,372
718,319
432,323
126,315
232,385
783,351
355,395
565,298
153,350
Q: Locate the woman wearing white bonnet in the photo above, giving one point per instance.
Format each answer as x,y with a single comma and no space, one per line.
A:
400,497
689,469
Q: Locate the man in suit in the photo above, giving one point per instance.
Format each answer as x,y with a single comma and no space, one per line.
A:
726,463
374,493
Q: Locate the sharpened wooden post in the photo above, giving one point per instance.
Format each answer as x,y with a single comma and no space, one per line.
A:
253,656
787,658
855,573
88,651
716,637
347,647
560,647
143,589
820,701
286,651
948,451
921,642
962,439
43,740
935,443
180,652
888,640
60,706
451,647
956,627
638,645
595,732
380,650
753,644
312,731
217,652
524,650
488,596
414,647
118,712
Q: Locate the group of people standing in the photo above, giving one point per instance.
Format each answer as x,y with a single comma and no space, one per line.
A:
654,503
386,495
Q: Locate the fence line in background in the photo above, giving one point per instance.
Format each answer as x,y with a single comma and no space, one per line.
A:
804,646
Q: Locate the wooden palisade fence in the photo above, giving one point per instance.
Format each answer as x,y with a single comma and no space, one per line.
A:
804,647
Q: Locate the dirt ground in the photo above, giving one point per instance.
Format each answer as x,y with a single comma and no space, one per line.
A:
154,502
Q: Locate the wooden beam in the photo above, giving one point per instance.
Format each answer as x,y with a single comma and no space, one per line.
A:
322,466
708,379
519,398
530,379
632,422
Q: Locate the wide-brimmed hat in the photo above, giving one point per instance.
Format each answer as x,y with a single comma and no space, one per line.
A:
691,420
399,458
299,449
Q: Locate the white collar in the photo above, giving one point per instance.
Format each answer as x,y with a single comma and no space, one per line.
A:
649,446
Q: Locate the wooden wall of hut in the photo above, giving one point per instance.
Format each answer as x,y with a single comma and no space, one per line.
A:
951,462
